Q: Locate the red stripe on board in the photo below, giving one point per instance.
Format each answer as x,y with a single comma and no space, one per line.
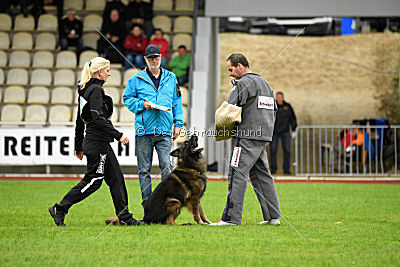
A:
66,178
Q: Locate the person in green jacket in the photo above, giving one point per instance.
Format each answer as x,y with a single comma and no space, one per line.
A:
180,65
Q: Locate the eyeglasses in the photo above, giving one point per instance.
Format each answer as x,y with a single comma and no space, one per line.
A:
153,57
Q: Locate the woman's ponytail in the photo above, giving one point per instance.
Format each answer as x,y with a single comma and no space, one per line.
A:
91,68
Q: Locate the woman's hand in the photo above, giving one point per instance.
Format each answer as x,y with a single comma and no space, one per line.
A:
124,140
79,154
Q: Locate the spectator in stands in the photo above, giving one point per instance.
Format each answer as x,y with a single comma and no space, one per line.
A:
285,120
114,30
71,32
38,7
114,4
180,65
140,13
163,44
135,45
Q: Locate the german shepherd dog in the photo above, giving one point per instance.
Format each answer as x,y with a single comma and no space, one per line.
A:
183,187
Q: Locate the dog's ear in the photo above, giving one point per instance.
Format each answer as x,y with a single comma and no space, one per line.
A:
198,150
176,153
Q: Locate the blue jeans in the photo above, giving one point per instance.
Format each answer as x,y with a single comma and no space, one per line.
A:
286,138
137,61
145,145
183,79
65,42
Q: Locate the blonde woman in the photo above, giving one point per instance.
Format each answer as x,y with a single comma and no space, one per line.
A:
94,111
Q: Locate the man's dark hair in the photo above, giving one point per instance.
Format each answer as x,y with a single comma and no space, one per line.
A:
235,59
182,46
158,29
280,93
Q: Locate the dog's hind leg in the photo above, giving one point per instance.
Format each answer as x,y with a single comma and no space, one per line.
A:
203,215
174,209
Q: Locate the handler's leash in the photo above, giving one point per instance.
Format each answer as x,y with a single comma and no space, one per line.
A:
140,73
265,198
133,200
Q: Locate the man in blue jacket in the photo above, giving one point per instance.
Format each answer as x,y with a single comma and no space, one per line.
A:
153,96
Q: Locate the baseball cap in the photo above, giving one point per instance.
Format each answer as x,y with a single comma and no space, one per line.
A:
152,50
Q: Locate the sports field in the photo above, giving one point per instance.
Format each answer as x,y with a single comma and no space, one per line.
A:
343,224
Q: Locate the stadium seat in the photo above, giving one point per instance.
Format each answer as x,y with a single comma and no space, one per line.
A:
66,60
4,40
75,4
185,95
75,96
19,59
86,56
38,95
90,40
14,95
3,59
5,22
114,93
162,5
59,113
1,76
74,113
125,115
11,112
184,114
184,5
41,77
92,22
163,22
17,77
1,96
95,5
64,77
22,41
24,23
182,39
128,74
183,24
45,41
47,22
114,79
43,59
35,113
61,95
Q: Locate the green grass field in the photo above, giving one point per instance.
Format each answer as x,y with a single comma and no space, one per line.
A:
343,224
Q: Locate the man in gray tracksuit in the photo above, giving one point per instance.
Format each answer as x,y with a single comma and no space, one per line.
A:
251,137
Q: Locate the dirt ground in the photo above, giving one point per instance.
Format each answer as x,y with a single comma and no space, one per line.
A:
321,77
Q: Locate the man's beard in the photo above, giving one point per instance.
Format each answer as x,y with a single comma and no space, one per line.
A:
154,67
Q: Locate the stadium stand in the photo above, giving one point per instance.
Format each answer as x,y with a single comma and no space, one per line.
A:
43,59
95,5
86,56
5,22
90,40
183,24
162,5
75,4
38,95
22,41
41,77
125,115
64,77
1,76
66,60
45,41
184,5
114,79
114,93
14,95
163,22
24,23
47,23
4,40
61,95
35,113
17,77
11,113
59,113
182,39
185,95
128,74
19,59
92,22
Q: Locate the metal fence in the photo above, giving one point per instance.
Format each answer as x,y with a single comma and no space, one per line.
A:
346,150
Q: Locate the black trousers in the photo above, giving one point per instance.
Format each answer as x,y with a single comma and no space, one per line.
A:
101,164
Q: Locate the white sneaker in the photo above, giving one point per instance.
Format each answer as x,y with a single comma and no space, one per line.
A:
271,222
222,223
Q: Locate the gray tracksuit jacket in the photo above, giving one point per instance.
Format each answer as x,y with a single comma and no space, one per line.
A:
257,100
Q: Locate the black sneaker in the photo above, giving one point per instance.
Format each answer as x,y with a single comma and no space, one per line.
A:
57,215
130,221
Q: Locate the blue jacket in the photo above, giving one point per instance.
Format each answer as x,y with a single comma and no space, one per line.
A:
154,121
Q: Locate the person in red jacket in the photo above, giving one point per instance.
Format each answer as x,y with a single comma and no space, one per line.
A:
135,45
163,44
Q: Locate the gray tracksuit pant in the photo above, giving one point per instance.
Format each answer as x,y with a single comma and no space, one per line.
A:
249,160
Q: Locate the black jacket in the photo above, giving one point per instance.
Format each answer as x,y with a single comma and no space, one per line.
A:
67,26
141,10
285,117
114,29
95,110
